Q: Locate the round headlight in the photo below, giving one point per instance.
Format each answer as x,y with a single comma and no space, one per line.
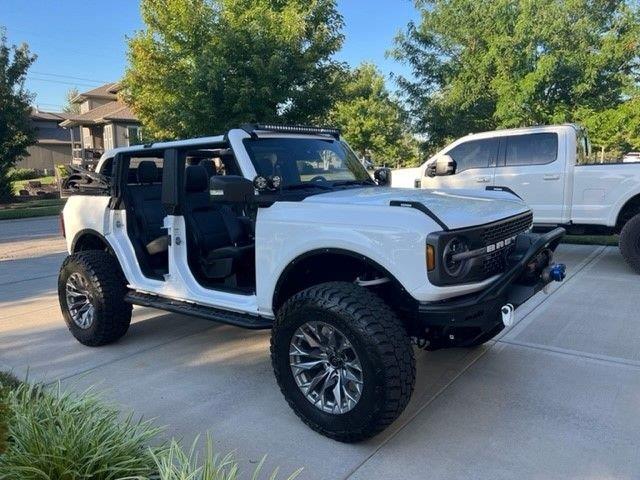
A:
454,268
260,183
275,181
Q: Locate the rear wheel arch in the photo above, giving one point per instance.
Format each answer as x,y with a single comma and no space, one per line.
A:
627,212
89,239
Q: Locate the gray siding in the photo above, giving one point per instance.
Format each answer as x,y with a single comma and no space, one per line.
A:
45,156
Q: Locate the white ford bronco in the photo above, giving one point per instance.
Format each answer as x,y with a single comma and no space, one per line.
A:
553,170
282,228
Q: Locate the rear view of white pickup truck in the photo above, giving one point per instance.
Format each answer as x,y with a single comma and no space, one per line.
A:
550,168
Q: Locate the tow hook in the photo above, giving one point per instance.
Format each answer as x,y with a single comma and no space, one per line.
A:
508,315
554,273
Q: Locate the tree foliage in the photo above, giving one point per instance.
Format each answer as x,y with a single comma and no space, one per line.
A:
486,64
202,66
16,131
69,106
373,123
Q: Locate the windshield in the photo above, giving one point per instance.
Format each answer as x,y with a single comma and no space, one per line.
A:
306,161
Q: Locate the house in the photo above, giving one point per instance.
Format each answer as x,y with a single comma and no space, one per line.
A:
104,122
54,142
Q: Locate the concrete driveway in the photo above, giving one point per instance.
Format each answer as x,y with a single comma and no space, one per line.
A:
557,396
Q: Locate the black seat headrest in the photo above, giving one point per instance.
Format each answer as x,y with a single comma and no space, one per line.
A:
147,172
196,179
209,166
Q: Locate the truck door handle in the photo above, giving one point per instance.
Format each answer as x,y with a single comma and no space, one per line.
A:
482,179
551,176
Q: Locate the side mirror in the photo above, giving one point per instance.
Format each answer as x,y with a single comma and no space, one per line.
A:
430,171
231,188
445,165
382,176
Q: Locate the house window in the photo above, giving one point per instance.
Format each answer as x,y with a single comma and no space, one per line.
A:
134,134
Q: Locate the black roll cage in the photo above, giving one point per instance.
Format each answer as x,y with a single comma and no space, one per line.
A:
174,162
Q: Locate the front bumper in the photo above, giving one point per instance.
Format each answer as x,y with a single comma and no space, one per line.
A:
475,318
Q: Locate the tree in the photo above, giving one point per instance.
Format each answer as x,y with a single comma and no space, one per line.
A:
69,106
202,66
614,131
16,132
486,64
373,123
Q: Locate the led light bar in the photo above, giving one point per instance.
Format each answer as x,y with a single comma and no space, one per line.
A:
270,127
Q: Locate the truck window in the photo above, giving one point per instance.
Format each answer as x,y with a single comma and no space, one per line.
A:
583,148
475,154
531,149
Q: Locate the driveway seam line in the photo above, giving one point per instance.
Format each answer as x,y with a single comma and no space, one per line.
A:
82,372
415,414
573,353
520,325
28,280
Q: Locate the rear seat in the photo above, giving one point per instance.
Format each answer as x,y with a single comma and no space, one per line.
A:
147,208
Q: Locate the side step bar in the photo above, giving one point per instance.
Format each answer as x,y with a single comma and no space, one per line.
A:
243,320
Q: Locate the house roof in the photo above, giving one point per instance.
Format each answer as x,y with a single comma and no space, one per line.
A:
108,90
50,116
116,111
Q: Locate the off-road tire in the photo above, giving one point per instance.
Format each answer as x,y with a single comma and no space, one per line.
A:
382,345
108,287
630,242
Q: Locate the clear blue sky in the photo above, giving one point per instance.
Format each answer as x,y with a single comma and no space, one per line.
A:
86,40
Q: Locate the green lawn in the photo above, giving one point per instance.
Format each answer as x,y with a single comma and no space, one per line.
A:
611,240
32,208
20,184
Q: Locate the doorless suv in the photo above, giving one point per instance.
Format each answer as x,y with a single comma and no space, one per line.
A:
282,228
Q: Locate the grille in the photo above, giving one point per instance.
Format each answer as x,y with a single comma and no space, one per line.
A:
496,261
506,229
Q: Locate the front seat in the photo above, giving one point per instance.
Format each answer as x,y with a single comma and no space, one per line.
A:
219,241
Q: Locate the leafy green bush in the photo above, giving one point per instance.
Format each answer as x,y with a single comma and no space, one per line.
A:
17,174
177,464
9,381
62,436
53,435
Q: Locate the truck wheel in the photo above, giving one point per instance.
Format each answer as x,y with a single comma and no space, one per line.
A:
630,242
91,290
343,360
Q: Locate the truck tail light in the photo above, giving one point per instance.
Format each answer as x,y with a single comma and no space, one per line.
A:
62,231
431,258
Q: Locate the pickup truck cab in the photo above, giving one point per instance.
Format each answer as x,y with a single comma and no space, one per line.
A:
552,170
282,228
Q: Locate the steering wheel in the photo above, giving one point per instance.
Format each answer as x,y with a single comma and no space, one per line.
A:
318,178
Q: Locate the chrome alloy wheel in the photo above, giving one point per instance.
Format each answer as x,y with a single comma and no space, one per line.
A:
79,301
326,367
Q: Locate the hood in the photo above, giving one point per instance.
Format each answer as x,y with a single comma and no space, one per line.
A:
455,208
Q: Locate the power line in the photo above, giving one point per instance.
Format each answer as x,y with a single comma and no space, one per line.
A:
69,76
75,84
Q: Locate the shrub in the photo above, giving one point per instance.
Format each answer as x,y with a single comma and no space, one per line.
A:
52,435
17,174
57,435
176,464
9,381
